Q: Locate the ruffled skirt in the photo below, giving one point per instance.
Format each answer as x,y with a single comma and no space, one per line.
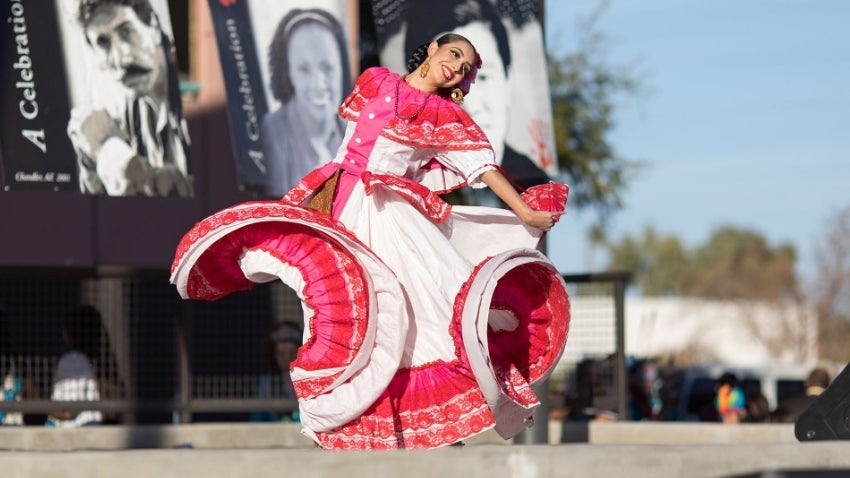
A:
418,333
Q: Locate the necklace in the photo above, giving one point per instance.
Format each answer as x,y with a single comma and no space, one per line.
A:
414,115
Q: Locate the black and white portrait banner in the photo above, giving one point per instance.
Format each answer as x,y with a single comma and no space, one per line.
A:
34,148
287,66
97,98
510,97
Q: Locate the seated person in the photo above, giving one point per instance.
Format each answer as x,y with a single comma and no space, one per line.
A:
278,350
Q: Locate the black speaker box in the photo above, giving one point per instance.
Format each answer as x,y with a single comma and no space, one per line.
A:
828,417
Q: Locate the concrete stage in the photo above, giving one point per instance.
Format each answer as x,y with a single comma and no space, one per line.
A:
627,449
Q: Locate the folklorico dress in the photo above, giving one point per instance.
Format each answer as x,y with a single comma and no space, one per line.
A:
425,323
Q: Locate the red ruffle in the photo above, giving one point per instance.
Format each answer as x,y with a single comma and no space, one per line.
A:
335,285
424,407
423,199
441,124
547,197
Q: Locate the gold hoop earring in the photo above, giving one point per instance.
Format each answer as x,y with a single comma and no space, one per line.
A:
423,70
457,95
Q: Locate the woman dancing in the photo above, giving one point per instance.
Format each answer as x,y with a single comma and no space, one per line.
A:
425,323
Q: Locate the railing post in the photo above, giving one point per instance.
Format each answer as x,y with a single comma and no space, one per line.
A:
620,317
184,354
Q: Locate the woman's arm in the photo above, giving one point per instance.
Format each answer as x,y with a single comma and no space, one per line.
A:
543,220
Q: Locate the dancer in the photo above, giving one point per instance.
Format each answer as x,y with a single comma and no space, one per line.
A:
425,323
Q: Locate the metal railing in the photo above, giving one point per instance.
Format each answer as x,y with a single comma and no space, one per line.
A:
175,361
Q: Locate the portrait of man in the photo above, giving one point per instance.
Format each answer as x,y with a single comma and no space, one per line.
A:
131,138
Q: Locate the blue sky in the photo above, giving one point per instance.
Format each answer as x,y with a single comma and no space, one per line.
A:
744,119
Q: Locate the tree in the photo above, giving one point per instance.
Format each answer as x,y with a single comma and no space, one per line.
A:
584,87
658,263
830,290
736,266
733,264
739,264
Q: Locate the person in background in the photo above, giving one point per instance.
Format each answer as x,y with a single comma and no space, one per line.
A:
279,350
10,380
729,399
758,410
75,378
135,141
790,409
644,402
310,73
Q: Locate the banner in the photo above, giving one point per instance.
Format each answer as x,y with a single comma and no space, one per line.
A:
99,108
510,97
286,68
34,148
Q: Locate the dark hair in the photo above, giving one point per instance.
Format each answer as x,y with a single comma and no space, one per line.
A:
84,332
465,12
818,377
758,410
5,335
281,84
728,378
281,332
83,327
142,8
421,52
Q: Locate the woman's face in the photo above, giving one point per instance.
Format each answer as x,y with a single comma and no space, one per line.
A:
449,63
315,70
488,100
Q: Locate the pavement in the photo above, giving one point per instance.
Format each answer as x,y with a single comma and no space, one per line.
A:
627,449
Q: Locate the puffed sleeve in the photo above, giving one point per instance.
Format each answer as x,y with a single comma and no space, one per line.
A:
457,150
366,86
449,170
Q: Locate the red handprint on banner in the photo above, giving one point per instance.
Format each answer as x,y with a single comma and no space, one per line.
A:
541,150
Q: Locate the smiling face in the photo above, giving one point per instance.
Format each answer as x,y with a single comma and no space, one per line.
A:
488,104
129,49
449,63
315,70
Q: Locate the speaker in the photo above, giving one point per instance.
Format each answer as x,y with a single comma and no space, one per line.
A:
828,417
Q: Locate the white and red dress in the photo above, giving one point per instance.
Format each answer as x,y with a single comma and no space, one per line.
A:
425,323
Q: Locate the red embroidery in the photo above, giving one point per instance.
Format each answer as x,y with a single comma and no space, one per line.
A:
441,125
547,197
425,407
255,210
423,199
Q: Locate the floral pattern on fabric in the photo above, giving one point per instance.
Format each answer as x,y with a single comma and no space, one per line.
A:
441,125
422,198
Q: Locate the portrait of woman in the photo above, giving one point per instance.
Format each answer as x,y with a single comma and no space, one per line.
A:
309,74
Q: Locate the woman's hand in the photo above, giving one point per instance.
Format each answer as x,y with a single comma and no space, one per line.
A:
543,220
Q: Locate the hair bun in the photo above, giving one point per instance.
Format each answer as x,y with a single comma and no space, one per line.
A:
417,57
